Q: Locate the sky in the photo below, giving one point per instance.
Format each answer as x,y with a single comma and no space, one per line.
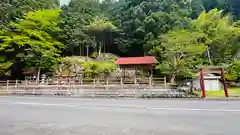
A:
64,1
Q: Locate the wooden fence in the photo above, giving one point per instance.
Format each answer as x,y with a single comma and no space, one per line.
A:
109,87
91,83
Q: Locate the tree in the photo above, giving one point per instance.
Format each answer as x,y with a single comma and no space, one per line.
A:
5,64
156,24
77,15
35,31
179,48
228,6
5,11
197,6
15,9
221,36
233,71
212,34
137,19
107,6
40,59
94,69
101,28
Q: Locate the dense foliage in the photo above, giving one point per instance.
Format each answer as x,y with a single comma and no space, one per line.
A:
182,34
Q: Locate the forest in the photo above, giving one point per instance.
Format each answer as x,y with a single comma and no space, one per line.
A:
181,34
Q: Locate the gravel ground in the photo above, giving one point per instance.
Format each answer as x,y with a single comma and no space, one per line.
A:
73,116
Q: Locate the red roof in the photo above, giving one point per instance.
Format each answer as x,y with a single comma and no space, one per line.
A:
28,72
147,60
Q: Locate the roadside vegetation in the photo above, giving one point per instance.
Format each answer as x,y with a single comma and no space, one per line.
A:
232,92
42,35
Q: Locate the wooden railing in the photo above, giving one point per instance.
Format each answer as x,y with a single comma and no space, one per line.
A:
109,87
91,83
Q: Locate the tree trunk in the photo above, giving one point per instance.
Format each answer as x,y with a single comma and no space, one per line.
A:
87,52
209,55
38,75
80,50
191,86
173,76
99,50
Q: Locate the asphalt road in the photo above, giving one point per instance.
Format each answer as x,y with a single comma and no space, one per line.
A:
72,116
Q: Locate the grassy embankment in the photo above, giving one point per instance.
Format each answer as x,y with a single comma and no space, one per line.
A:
233,92
3,93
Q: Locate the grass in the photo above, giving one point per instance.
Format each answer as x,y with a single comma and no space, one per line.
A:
3,93
232,92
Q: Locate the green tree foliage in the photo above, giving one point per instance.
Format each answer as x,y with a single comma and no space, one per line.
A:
102,29
156,24
228,6
138,18
197,6
163,28
77,15
212,34
15,9
40,59
221,36
91,69
5,64
35,32
5,12
94,69
179,48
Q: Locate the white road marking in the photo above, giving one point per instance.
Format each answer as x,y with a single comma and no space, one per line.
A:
41,104
196,109
121,106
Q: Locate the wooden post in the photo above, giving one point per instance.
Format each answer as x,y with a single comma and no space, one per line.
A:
16,85
202,83
107,81
81,79
150,82
136,77
124,74
94,82
224,83
26,83
59,81
165,83
151,75
7,85
121,82
135,80
69,85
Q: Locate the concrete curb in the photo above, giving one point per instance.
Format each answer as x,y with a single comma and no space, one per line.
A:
130,98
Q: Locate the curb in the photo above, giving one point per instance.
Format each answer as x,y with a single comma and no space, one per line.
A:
129,98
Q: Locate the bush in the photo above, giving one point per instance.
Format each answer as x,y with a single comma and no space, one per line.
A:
94,55
93,69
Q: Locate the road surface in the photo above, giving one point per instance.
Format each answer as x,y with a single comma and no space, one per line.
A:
72,116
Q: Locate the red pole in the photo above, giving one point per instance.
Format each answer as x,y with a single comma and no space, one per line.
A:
224,83
202,83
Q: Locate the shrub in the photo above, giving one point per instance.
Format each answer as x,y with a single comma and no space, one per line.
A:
93,69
